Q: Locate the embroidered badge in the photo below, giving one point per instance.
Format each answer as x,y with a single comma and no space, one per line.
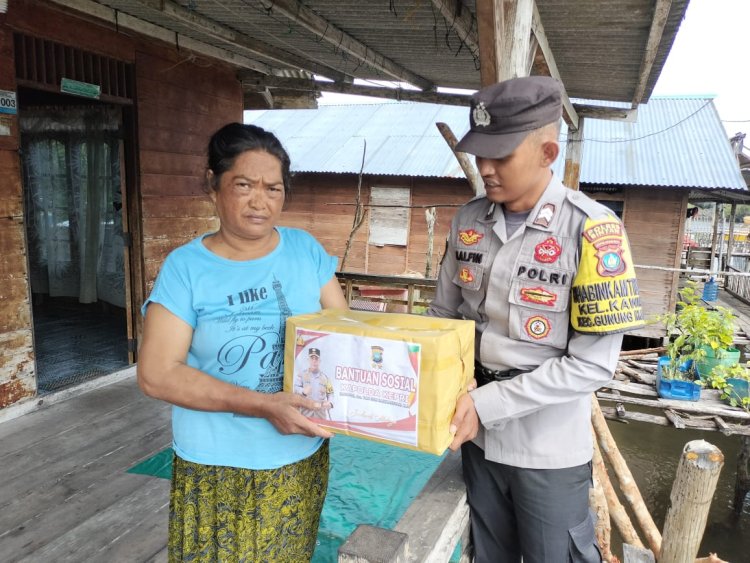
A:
466,275
547,251
469,237
545,215
537,327
607,240
481,115
538,295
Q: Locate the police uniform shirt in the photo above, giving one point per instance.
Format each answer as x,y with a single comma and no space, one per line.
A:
518,291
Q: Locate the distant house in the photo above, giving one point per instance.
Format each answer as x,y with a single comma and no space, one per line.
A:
645,171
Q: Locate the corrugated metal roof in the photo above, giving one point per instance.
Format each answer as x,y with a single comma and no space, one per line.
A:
402,139
598,45
675,142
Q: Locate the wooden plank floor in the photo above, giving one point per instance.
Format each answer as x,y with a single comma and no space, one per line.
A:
65,495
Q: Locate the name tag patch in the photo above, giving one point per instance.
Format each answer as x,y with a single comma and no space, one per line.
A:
469,256
555,278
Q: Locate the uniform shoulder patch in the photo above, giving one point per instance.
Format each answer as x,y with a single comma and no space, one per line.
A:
604,295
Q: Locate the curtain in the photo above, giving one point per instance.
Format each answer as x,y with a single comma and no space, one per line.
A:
73,211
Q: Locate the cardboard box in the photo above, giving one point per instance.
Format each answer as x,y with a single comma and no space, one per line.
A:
387,377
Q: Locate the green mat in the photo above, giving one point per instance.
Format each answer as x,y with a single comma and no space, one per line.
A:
159,465
369,483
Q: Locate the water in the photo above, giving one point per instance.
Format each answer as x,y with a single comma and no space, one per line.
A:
371,483
652,453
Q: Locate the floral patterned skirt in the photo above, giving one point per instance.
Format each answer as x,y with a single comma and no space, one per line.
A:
229,515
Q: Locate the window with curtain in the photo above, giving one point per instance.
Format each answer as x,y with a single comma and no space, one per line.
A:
73,203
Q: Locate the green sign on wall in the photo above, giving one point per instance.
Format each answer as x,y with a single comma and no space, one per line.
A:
83,89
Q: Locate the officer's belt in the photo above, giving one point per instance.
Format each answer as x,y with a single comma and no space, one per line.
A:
485,375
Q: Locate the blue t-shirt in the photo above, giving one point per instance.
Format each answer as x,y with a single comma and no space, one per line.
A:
238,311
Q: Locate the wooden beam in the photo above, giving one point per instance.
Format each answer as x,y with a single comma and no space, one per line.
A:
569,113
573,157
661,13
490,17
325,30
258,82
462,21
606,112
253,81
248,45
516,39
124,21
477,185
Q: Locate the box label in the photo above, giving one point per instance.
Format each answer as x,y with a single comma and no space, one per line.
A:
365,385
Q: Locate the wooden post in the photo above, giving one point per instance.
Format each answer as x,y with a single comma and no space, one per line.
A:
730,241
693,488
598,504
742,480
430,216
514,61
490,29
717,216
615,508
625,478
472,176
573,156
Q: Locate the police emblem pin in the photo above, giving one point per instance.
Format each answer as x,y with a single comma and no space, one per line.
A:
481,115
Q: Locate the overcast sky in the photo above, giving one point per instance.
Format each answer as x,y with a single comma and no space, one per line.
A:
709,56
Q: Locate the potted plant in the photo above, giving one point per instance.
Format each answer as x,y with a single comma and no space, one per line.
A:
733,382
698,339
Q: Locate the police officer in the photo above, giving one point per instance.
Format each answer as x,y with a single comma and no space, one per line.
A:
314,384
546,274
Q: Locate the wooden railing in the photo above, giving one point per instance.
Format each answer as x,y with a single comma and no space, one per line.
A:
738,286
397,294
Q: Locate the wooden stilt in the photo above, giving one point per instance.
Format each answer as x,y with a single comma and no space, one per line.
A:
614,509
693,488
625,478
742,480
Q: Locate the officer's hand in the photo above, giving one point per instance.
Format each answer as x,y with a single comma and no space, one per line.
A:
282,410
465,422
472,385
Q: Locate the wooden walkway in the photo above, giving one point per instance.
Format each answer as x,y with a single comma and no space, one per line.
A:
634,384
65,495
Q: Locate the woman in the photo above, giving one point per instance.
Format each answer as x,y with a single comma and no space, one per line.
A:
250,471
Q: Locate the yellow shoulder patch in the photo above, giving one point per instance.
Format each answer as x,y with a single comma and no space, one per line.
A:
604,297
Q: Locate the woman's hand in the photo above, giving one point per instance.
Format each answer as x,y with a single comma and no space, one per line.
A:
282,410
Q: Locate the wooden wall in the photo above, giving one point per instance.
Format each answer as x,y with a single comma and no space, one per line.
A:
17,375
322,204
181,100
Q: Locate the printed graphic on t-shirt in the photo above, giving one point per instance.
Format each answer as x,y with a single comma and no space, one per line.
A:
255,344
